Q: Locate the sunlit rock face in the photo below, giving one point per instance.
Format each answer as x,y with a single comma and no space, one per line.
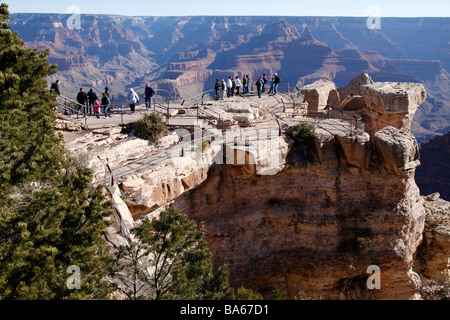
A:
317,217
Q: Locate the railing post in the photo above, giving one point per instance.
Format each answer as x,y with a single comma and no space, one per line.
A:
65,107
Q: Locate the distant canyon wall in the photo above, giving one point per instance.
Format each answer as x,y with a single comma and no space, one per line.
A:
184,55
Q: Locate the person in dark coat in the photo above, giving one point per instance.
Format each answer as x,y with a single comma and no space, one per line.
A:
244,84
259,86
233,86
216,90
105,104
55,87
148,96
107,95
277,80
82,101
92,96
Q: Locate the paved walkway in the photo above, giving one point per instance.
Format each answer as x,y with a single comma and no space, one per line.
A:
116,118
124,116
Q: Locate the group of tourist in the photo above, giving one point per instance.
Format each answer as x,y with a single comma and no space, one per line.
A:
273,83
233,85
89,103
133,98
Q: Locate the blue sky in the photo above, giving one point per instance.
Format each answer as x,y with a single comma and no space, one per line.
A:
387,8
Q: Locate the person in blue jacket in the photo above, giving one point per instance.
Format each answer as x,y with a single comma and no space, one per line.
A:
132,98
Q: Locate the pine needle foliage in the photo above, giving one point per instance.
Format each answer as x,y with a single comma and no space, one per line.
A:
50,216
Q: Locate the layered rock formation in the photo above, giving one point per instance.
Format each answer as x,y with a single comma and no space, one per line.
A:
184,55
319,95
392,104
315,226
316,217
354,88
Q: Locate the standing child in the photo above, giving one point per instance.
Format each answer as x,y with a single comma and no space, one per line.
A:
97,107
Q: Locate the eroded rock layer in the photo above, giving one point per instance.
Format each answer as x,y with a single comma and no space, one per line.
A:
316,226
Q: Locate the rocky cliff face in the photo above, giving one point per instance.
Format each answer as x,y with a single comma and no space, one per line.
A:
319,223
319,217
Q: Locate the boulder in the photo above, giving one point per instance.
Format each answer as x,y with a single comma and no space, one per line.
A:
354,87
357,149
391,104
319,94
398,150
393,97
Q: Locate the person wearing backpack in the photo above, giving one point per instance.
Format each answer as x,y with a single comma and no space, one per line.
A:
105,104
277,80
264,79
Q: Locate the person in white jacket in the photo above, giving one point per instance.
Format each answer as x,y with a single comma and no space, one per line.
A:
229,85
132,98
238,84
223,88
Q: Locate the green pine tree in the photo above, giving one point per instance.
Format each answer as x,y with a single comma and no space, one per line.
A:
277,295
171,261
248,294
50,217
